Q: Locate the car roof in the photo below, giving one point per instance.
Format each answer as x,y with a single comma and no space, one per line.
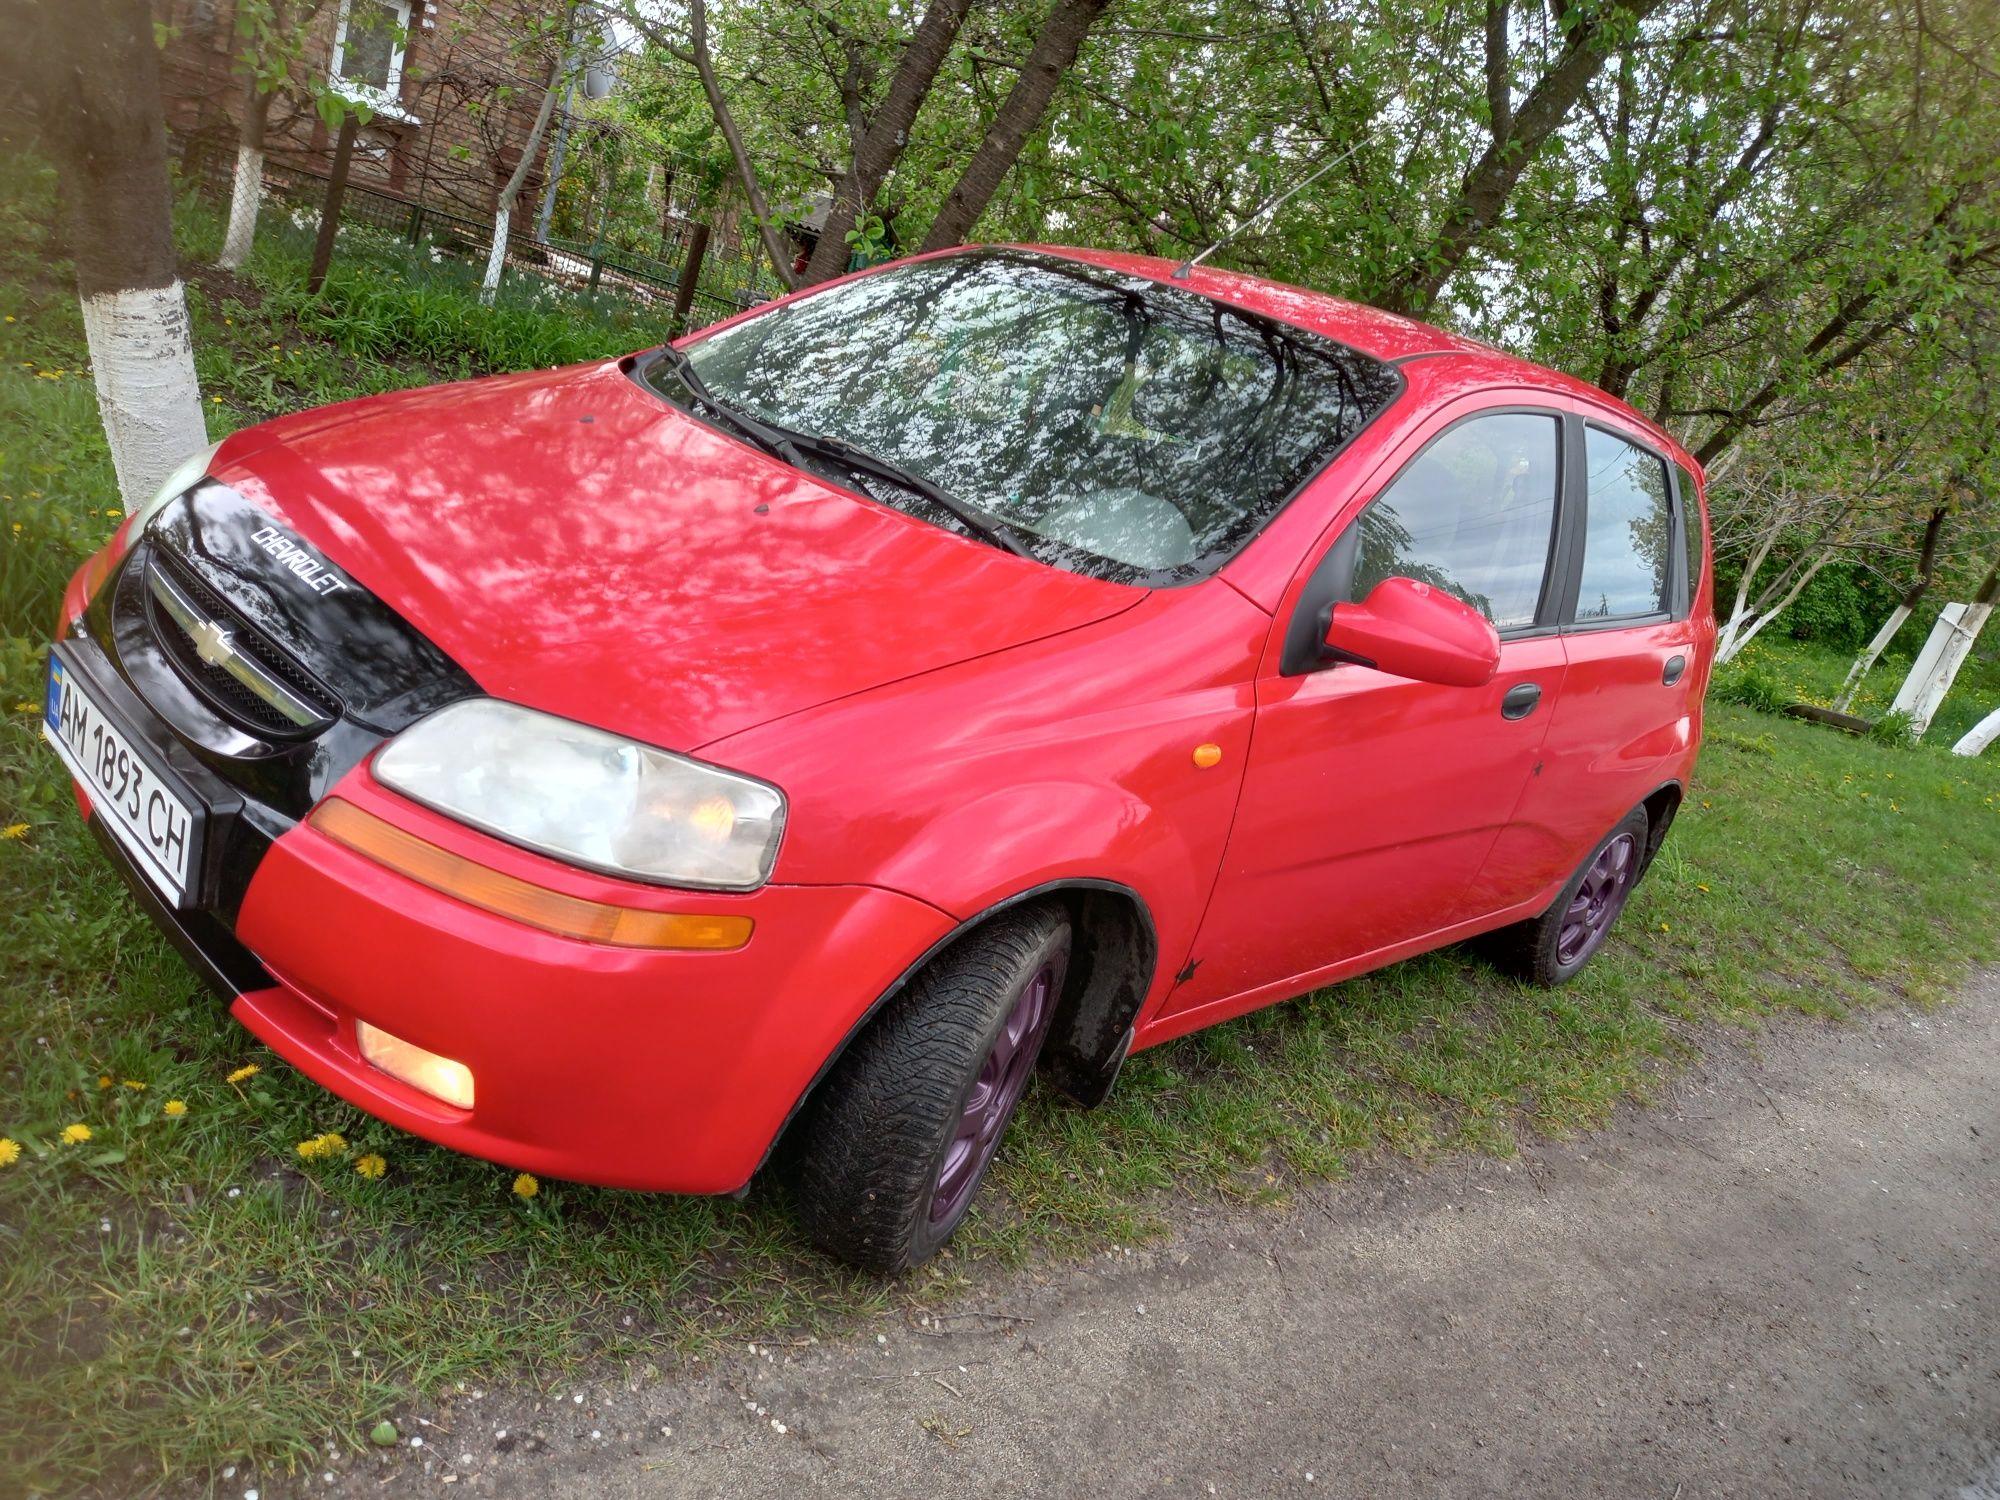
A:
1384,335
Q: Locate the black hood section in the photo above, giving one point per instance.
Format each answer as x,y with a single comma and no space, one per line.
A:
384,673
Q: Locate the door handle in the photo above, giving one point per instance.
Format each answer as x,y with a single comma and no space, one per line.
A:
1520,700
1676,665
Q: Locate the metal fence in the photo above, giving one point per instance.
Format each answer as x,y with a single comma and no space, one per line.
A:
730,277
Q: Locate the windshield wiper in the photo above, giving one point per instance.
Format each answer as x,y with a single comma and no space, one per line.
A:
987,527
773,440
785,443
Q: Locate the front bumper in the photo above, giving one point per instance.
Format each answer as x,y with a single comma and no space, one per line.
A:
625,1067
671,1071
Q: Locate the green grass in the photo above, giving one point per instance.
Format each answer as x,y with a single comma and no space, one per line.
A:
180,1291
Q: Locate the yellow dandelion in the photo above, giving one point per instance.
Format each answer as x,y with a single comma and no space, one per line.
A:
525,1186
1700,887
310,1150
14,831
173,1109
371,1166
75,1135
248,1070
10,317
135,1086
24,707
1665,927
10,1150
104,1080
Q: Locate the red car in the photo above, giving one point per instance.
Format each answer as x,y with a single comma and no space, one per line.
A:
1002,659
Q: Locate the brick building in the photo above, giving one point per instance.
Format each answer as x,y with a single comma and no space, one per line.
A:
452,101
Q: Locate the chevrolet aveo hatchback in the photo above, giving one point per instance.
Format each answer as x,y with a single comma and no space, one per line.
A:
995,661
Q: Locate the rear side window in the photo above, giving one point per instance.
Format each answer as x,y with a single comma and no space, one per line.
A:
1691,530
1472,514
1628,543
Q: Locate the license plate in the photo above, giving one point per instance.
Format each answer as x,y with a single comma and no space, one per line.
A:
150,818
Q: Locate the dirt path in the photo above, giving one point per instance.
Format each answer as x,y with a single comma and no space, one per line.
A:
1784,1281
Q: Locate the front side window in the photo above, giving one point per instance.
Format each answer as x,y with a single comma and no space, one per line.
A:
1628,542
368,48
1114,425
1473,514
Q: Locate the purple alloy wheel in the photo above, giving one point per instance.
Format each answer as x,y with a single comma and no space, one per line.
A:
1002,1079
1598,900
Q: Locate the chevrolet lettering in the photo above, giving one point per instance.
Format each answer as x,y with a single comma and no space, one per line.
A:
780,750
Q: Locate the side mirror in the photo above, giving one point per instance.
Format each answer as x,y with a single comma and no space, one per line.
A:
1409,629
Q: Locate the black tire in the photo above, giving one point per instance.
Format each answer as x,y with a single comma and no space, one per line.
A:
873,1139
1533,950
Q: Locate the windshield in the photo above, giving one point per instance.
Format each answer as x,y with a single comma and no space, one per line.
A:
1109,424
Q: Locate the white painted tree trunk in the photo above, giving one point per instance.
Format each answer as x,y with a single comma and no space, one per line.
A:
1738,635
1982,734
1865,662
245,194
142,355
1923,691
496,258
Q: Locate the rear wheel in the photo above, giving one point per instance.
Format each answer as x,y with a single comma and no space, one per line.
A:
1554,947
897,1138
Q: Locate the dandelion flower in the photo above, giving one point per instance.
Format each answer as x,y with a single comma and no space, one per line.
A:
525,1186
75,1135
330,1144
135,1085
14,831
174,1108
371,1165
1700,887
10,1151
104,1080
1664,927
248,1070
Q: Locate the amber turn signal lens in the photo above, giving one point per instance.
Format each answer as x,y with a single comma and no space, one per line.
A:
491,890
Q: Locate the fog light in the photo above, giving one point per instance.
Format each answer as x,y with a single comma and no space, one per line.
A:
439,1077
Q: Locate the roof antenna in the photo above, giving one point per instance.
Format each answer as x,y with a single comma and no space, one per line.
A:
1181,271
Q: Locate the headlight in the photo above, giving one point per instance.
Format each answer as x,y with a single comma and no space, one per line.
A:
193,469
589,797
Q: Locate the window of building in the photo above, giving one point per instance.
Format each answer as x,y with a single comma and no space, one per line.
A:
369,43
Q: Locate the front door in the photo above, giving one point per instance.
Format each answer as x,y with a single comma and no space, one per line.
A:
1369,802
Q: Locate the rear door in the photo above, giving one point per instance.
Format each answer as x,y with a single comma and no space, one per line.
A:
1632,687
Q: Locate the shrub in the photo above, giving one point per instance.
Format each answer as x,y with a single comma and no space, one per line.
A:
1752,686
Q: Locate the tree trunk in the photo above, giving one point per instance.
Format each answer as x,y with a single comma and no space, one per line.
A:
704,66
92,74
1742,636
336,199
549,189
1020,116
1899,616
881,147
246,190
1515,137
1982,734
503,215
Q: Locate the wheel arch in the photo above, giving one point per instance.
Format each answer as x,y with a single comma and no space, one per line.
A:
1660,804
1114,957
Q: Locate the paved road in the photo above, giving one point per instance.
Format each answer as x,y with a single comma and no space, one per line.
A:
1783,1281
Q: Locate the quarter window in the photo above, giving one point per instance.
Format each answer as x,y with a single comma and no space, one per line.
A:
1691,530
1472,514
1628,542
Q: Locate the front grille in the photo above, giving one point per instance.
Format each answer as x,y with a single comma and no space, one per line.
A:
228,696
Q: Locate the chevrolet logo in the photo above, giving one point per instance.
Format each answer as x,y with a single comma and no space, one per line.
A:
211,643
215,645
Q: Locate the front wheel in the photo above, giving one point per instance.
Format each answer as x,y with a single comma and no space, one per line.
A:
1554,947
897,1138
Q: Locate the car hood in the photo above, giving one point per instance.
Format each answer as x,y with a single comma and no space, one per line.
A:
579,545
